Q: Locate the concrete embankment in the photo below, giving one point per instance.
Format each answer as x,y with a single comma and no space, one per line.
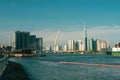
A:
14,71
3,63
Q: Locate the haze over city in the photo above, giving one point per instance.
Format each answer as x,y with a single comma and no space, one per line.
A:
59,39
45,17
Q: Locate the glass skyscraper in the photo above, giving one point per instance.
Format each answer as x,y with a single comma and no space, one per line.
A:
23,41
85,37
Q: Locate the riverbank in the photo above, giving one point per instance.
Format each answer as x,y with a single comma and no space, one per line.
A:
14,71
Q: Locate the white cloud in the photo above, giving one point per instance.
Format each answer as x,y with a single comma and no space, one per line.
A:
104,30
110,33
49,36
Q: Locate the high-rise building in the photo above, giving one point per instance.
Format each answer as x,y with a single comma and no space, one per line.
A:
33,41
95,45
65,47
85,38
92,45
71,45
22,40
102,45
79,45
38,43
48,49
12,40
57,48
98,44
41,44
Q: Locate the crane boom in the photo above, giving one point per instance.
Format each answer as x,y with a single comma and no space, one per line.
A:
56,40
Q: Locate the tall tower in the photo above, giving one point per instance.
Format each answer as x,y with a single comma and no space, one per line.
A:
85,37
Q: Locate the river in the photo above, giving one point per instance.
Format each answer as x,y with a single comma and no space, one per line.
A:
72,67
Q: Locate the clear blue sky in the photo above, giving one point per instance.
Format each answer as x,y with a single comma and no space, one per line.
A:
67,15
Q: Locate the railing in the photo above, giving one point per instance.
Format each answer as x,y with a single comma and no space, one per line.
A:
3,64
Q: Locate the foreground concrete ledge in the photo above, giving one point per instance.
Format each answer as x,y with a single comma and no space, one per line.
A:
14,71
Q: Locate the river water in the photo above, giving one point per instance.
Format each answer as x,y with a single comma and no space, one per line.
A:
71,67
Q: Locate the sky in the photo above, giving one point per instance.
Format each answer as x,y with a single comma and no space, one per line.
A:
45,18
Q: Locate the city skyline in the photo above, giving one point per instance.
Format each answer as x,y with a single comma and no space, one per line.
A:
44,18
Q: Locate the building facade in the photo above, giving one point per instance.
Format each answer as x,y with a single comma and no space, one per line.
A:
40,44
65,47
102,45
71,45
32,41
92,45
85,38
79,45
22,40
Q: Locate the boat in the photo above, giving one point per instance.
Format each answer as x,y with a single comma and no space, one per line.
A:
41,55
116,51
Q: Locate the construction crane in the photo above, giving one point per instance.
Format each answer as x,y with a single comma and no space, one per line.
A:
55,43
